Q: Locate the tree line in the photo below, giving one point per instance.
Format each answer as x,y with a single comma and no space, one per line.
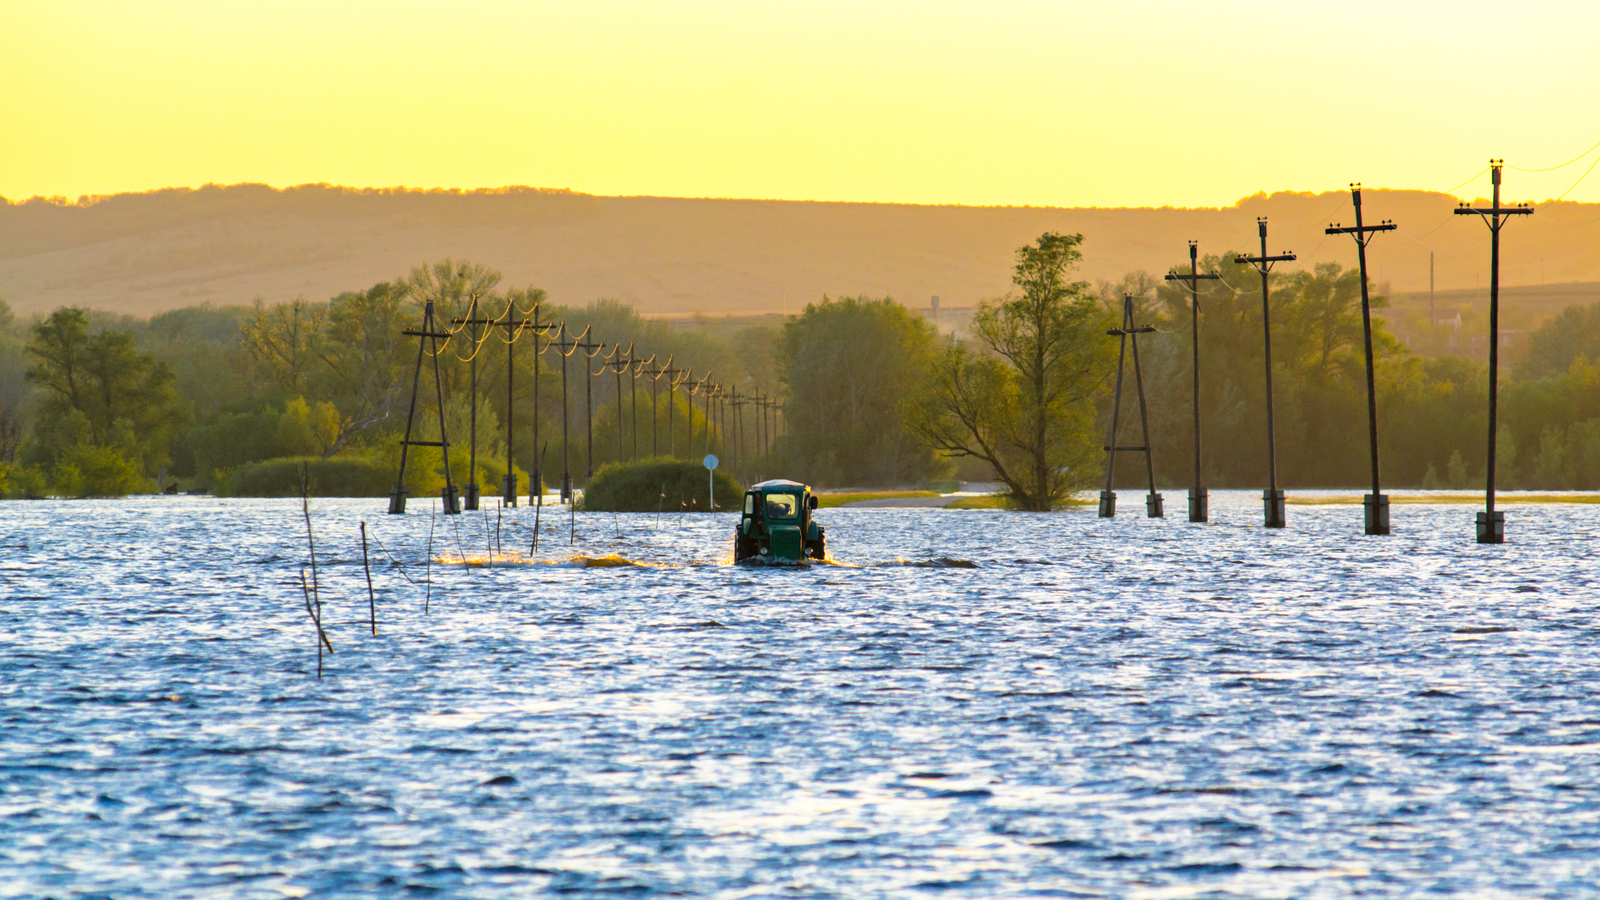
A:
219,398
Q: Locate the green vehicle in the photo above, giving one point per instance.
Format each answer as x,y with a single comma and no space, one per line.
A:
777,527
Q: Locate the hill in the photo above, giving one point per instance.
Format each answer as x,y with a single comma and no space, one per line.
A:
148,252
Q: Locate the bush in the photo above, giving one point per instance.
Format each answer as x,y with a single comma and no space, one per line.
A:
88,470
638,487
339,476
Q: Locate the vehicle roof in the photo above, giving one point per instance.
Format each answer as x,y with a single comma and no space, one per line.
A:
777,483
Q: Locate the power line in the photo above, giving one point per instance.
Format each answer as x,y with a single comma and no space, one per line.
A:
1562,166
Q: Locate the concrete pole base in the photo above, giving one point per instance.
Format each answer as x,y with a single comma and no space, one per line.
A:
509,489
397,500
1199,505
470,499
1108,504
1272,504
1153,507
1376,507
1492,527
452,501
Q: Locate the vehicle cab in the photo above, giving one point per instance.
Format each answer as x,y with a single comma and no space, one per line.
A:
776,524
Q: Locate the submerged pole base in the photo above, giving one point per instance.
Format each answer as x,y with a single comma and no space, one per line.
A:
470,500
1272,505
397,500
1492,527
1199,505
1377,512
566,488
509,484
1108,504
1153,506
452,501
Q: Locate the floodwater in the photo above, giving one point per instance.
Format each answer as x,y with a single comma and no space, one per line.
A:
1091,708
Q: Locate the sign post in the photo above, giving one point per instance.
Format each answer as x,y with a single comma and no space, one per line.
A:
711,478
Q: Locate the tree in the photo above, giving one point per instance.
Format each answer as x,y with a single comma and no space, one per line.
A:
849,365
364,357
1027,410
123,399
282,337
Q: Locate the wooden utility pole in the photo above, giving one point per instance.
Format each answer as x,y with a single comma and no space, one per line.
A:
1272,499
428,335
565,347
1199,501
1491,523
674,378
588,401
655,389
617,365
1108,497
1375,504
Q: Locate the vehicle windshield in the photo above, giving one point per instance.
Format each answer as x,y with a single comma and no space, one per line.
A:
782,506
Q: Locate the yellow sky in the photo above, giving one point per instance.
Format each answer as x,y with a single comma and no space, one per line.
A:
1041,103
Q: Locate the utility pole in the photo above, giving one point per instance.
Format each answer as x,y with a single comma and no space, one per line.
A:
674,376
537,482
616,365
635,366
514,329
1108,497
655,389
1431,320
428,335
1375,504
1271,499
1199,500
588,401
565,347
737,403
1492,524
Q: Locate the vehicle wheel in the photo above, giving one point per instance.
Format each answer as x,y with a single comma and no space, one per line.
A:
818,549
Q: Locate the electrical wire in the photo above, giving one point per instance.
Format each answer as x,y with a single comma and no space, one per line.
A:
1563,165
1580,177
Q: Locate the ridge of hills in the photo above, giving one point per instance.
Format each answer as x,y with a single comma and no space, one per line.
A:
142,253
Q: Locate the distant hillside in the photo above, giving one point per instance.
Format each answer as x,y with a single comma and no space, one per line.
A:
143,253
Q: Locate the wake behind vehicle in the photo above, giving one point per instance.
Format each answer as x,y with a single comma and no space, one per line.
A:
776,525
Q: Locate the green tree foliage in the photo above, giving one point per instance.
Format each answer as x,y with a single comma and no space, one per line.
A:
1025,404
99,391
849,365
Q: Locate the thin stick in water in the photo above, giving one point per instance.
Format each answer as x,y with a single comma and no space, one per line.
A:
372,598
305,507
428,598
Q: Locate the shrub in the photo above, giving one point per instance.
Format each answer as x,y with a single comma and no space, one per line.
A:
88,470
338,476
638,487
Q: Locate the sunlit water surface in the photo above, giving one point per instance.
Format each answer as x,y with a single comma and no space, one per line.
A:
1123,708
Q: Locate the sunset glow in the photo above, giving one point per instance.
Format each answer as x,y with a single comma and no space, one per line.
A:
1040,103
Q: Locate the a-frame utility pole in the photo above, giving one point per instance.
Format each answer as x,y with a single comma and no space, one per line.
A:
1491,523
427,335
1199,501
1108,497
1271,499
1375,504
